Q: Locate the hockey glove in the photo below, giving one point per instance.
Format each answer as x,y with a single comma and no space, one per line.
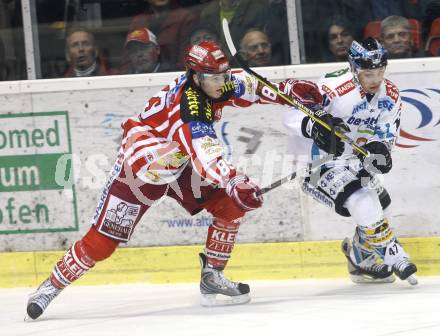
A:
243,192
379,158
323,137
306,92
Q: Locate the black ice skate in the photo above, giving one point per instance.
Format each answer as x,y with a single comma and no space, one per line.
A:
370,270
405,270
40,299
213,283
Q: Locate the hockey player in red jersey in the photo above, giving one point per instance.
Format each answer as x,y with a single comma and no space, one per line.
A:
171,149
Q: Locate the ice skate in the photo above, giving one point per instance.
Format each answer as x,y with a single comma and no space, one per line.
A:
214,283
40,299
405,270
402,266
370,270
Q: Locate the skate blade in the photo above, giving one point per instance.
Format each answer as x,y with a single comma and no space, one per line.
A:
215,300
362,279
412,280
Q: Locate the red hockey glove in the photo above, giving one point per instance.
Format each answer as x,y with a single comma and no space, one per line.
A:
243,192
306,92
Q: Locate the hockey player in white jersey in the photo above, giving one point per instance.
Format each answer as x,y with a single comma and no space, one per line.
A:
364,105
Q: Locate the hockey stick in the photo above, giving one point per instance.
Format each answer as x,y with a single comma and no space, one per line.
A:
310,168
287,99
276,184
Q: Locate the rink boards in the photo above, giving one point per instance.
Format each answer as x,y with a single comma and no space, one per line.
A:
59,139
175,264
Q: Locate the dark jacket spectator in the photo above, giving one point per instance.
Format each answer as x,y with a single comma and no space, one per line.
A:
241,15
82,55
202,31
338,38
170,24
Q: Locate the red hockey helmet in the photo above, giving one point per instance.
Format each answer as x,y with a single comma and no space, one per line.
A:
206,57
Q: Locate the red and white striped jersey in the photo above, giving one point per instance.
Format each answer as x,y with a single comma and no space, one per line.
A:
158,144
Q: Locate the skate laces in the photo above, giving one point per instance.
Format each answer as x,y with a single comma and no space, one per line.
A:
375,264
220,278
377,267
401,265
44,294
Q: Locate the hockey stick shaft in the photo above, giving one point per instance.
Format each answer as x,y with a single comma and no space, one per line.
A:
286,98
276,184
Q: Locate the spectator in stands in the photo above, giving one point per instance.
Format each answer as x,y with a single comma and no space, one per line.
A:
396,36
143,53
241,15
339,38
203,32
171,24
82,55
255,48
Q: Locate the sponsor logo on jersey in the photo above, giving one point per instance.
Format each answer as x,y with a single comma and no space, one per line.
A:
330,94
360,107
249,84
200,129
346,87
370,121
239,87
317,195
211,146
193,101
385,104
120,218
391,90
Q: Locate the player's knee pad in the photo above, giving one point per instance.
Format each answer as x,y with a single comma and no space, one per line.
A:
225,209
365,208
97,246
334,186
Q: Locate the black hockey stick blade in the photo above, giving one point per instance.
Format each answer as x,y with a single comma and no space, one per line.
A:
276,184
286,98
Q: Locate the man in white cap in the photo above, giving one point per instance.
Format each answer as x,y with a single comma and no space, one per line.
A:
143,53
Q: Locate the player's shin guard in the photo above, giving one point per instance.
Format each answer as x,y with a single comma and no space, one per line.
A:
71,266
376,253
220,242
78,259
219,245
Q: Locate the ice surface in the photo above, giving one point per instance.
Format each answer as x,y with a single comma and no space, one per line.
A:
301,307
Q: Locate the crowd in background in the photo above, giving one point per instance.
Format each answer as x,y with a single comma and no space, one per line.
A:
96,37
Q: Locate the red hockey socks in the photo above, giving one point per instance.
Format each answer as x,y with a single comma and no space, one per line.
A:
220,242
82,256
